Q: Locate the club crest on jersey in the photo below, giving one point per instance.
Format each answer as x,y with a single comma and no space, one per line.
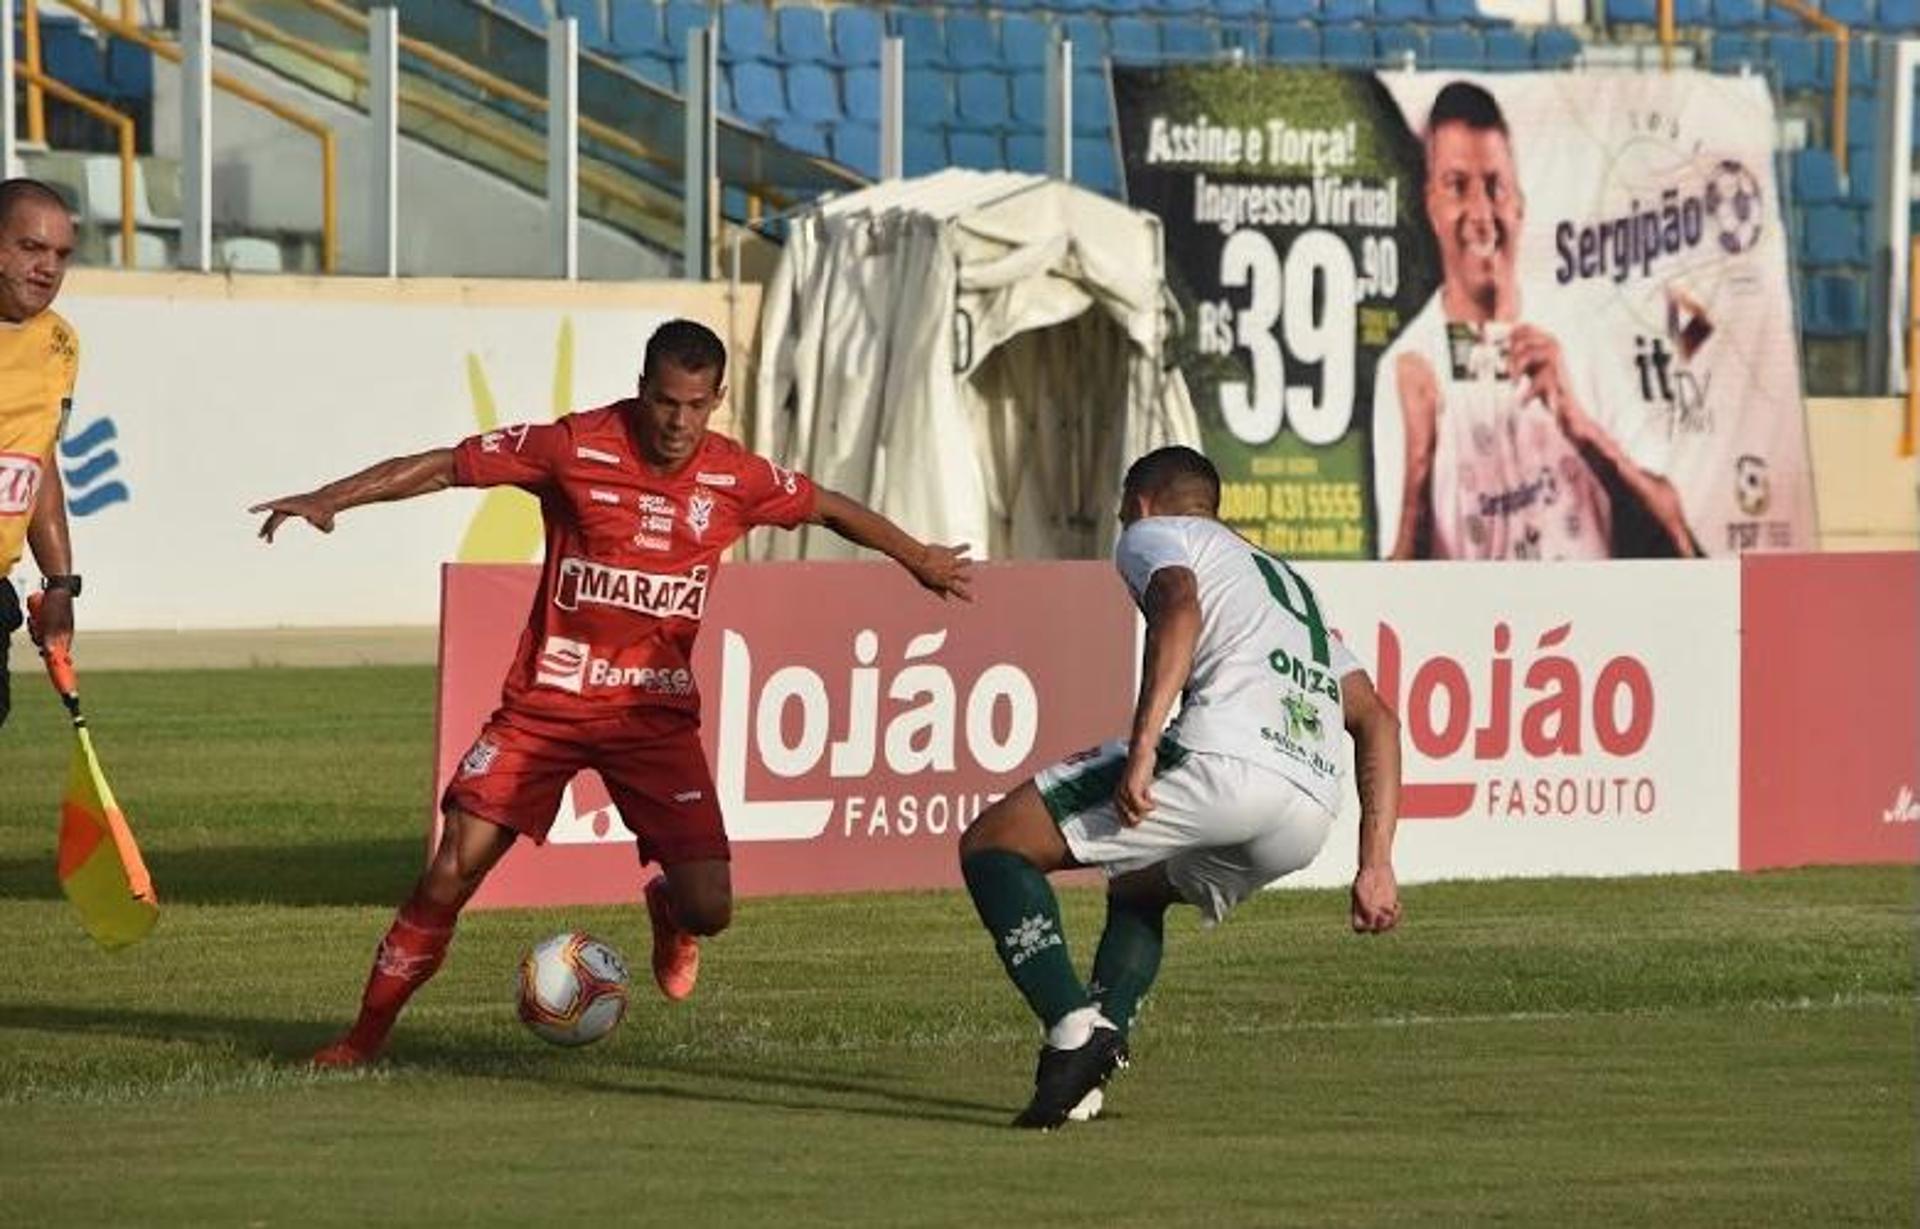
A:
582,582
479,758
699,513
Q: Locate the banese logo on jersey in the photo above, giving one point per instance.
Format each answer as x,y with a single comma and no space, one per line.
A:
582,582
570,665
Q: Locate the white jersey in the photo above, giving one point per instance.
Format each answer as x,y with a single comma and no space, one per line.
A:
1265,685
1507,483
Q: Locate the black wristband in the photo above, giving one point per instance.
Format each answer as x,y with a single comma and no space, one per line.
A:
70,583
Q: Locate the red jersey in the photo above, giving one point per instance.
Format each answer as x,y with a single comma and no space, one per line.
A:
630,555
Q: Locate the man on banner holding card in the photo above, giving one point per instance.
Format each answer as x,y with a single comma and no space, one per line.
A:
1493,440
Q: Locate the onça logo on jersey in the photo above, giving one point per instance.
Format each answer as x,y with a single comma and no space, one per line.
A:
584,582
19,483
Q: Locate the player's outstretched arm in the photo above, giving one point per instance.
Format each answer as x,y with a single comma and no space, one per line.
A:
1171,605
1376,758
945,570
396,478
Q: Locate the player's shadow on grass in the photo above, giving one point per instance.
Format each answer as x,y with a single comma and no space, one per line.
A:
255,1037
337,873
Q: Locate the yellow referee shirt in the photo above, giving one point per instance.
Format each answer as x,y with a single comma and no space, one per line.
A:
38,362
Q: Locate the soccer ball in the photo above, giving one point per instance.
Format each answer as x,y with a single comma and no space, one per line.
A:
573,989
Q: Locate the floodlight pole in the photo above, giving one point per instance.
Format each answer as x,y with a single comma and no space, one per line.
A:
1060,106
893,107
196,134
563,145
9,143
696,252
383,107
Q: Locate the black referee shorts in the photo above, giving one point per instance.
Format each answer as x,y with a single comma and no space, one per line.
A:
9,622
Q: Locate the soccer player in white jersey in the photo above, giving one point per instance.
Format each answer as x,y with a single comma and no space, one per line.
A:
1240,790
1490,439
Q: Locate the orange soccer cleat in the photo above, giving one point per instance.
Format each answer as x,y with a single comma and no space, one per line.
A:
676,954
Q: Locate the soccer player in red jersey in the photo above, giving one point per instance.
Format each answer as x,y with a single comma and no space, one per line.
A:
639,501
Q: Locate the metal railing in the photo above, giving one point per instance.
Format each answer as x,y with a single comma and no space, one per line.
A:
122,124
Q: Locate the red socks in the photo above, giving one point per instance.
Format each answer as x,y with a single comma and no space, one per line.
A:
409,955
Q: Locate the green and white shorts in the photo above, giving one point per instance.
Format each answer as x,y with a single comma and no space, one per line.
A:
1224,827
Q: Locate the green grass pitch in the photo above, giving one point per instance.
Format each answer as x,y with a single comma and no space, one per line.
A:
1702,1050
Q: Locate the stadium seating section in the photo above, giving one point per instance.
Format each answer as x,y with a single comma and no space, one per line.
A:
806,71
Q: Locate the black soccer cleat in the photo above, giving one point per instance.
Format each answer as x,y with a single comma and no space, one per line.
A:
1065,1077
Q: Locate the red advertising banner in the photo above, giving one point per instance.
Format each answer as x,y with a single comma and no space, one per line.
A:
854,723
1830,710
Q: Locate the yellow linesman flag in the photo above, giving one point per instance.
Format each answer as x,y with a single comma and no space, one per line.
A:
100,866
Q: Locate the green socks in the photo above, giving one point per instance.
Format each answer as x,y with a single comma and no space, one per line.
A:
1128,959
1020,911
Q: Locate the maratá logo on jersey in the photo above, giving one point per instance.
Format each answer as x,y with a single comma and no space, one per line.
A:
19,483
586,583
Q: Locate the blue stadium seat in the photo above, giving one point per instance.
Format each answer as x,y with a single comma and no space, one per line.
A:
1182,8
1851,12
1899,15
679,17
805,137
655,68
593,24
1861,62
926,151
1030,100
1461,12
979,150
129,70
1094,165
857,33
980,101
722,87
1816,178
1632,12
1092,103
1068,6
1738,13
858,146
1347,46
1509,49
634,27
1136,39
800,31
1020,6
972,41
1393,44
744,34
758,94
533,12
1293,44
1188,40
71,56
1861,170
1832,236
1731,52
1027,151
1292,10
1555,47
860,92
1249,38
1456,47
1231,10
812,93
928,101
926,42
1089,38
1833,305
1024,41
1798,59
1394,12
1334,12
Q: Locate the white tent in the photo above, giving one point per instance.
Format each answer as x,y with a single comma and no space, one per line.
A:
977,355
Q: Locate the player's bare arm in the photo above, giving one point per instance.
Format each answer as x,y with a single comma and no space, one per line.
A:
1633,491
53,553
396,478
1420,408
1376,759
1172,608
945,570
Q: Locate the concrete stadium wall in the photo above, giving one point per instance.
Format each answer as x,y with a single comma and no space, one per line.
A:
1868,495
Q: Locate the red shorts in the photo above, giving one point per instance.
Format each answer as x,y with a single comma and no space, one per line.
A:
650,759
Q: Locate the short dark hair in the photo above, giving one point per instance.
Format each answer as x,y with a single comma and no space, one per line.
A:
17,192
1463,102
1176,469
688,345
